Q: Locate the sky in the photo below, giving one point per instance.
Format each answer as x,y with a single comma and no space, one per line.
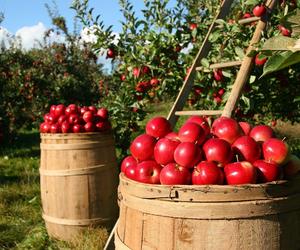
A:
29,18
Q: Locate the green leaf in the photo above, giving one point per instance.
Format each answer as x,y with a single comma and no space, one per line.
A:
279,43
205,62
281,61
252,2
240,52
227,74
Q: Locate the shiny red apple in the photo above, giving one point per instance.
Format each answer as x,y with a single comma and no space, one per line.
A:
200,120
246,127
227,129
158,127
275,150
174,174
217,150
164,151
240,173
207,173
187,154
261,133
142,147
128,161
148,172
246,148
191,132
267,171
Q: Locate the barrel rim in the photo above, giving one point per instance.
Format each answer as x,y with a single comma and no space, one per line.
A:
75,135
210,193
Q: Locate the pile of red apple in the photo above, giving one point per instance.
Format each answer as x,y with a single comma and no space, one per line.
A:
75,119
227,152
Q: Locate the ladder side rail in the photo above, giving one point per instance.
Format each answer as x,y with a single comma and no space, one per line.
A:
203,52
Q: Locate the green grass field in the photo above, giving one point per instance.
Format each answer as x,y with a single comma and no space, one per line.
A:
21,224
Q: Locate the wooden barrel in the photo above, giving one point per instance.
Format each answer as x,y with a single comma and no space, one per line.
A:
79,179
258,216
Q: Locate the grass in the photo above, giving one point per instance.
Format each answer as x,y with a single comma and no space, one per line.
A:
21,224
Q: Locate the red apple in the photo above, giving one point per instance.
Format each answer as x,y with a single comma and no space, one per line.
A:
246,15
218,75
193,26
52,109
145,70
136,72
45,127
187,154
142,147
164,151
267,171
275,150
284,31
292,167
207,173
89,127
93,109
73,119
83,110
260,61
259,10
110,53
200,120
65,127
77,128
247,149
148,172
261,133
173,174
158,127
49,118
61,119
227,129
240,173
172,136
217,150
88,116
55,128
154,82
128,161
103,112
130,172
71,109
103,125
246,127
191,132
59,110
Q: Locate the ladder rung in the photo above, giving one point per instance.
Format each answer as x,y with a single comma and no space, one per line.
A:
199,112
249,20
222,65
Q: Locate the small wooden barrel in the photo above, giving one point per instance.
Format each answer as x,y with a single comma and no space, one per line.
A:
259,216
79,179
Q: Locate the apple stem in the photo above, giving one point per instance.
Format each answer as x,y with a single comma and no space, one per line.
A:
237,158
283,139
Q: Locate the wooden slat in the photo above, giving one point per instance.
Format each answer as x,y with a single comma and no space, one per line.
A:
203,52
249,20
222,65
199,112
245,69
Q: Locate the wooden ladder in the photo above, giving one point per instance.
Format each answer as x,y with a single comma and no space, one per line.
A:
242,75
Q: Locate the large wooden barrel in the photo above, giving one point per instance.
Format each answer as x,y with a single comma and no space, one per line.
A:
258,216
79,179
